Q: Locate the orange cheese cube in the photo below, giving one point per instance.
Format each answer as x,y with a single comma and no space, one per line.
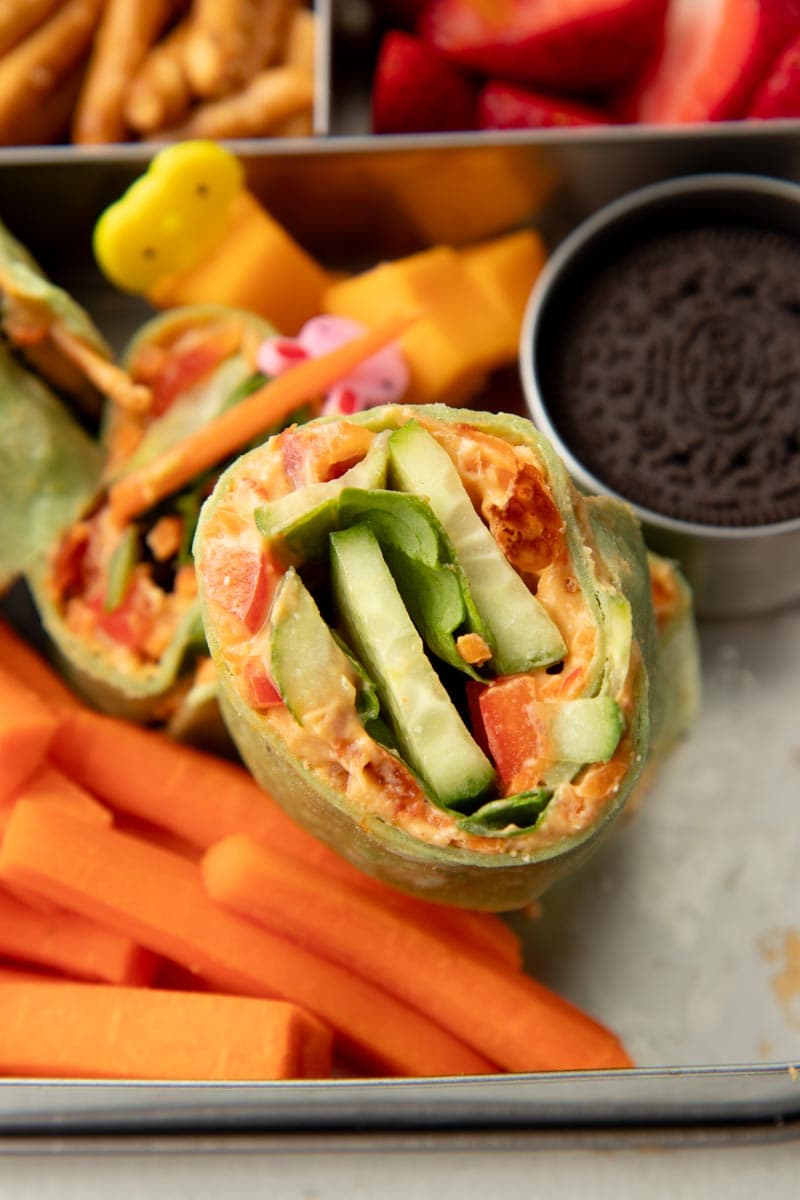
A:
257,266
452,347
505,269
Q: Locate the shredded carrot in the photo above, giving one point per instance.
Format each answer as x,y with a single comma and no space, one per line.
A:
77,1030
502,1014
158,898
235,427
201,799
64,941
27,726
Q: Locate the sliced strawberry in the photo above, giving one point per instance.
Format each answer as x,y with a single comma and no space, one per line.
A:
561,45
778,95
508,106
712,57
415,90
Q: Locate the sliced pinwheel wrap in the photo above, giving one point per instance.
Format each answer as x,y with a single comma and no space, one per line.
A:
436,655
50,468
51,330
119,601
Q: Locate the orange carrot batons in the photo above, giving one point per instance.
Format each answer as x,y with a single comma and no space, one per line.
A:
137,771
202,799
27,726
21,661
94,1031
502,1014
158,898
65,941
48,785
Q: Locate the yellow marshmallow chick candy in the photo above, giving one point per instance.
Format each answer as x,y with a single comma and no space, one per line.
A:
170,218
188,231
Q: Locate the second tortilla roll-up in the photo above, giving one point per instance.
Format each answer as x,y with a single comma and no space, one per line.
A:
118,599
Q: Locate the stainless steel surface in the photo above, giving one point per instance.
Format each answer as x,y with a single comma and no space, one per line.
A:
684,932
759,1096
733,571
321,117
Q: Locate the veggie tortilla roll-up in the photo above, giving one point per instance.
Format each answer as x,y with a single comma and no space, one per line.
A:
434,653
118,599
56,336
49,468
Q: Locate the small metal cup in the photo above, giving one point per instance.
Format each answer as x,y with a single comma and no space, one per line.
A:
735,571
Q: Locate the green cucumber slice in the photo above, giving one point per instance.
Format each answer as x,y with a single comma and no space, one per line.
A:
307,682
524,635
583,730
297,525
432,737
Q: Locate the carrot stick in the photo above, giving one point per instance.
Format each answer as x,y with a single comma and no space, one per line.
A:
237,426
27,726
64,941
48,785
11,973
201,799
159,899
19,659
82,1030
502,1014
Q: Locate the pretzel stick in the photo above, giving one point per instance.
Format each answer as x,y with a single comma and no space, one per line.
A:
267,47
222,33
127,30
300,125
48,120
19,17
301,41
272,97
159,94
35,66
299,52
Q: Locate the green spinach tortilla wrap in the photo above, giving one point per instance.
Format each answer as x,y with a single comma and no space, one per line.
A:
49,468
119,600
436,655
55,335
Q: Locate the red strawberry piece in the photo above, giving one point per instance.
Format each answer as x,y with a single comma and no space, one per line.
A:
508,106
559,45
713,55
416,90
778,95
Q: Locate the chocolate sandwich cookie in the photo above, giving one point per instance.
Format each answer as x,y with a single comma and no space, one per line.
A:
674,374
